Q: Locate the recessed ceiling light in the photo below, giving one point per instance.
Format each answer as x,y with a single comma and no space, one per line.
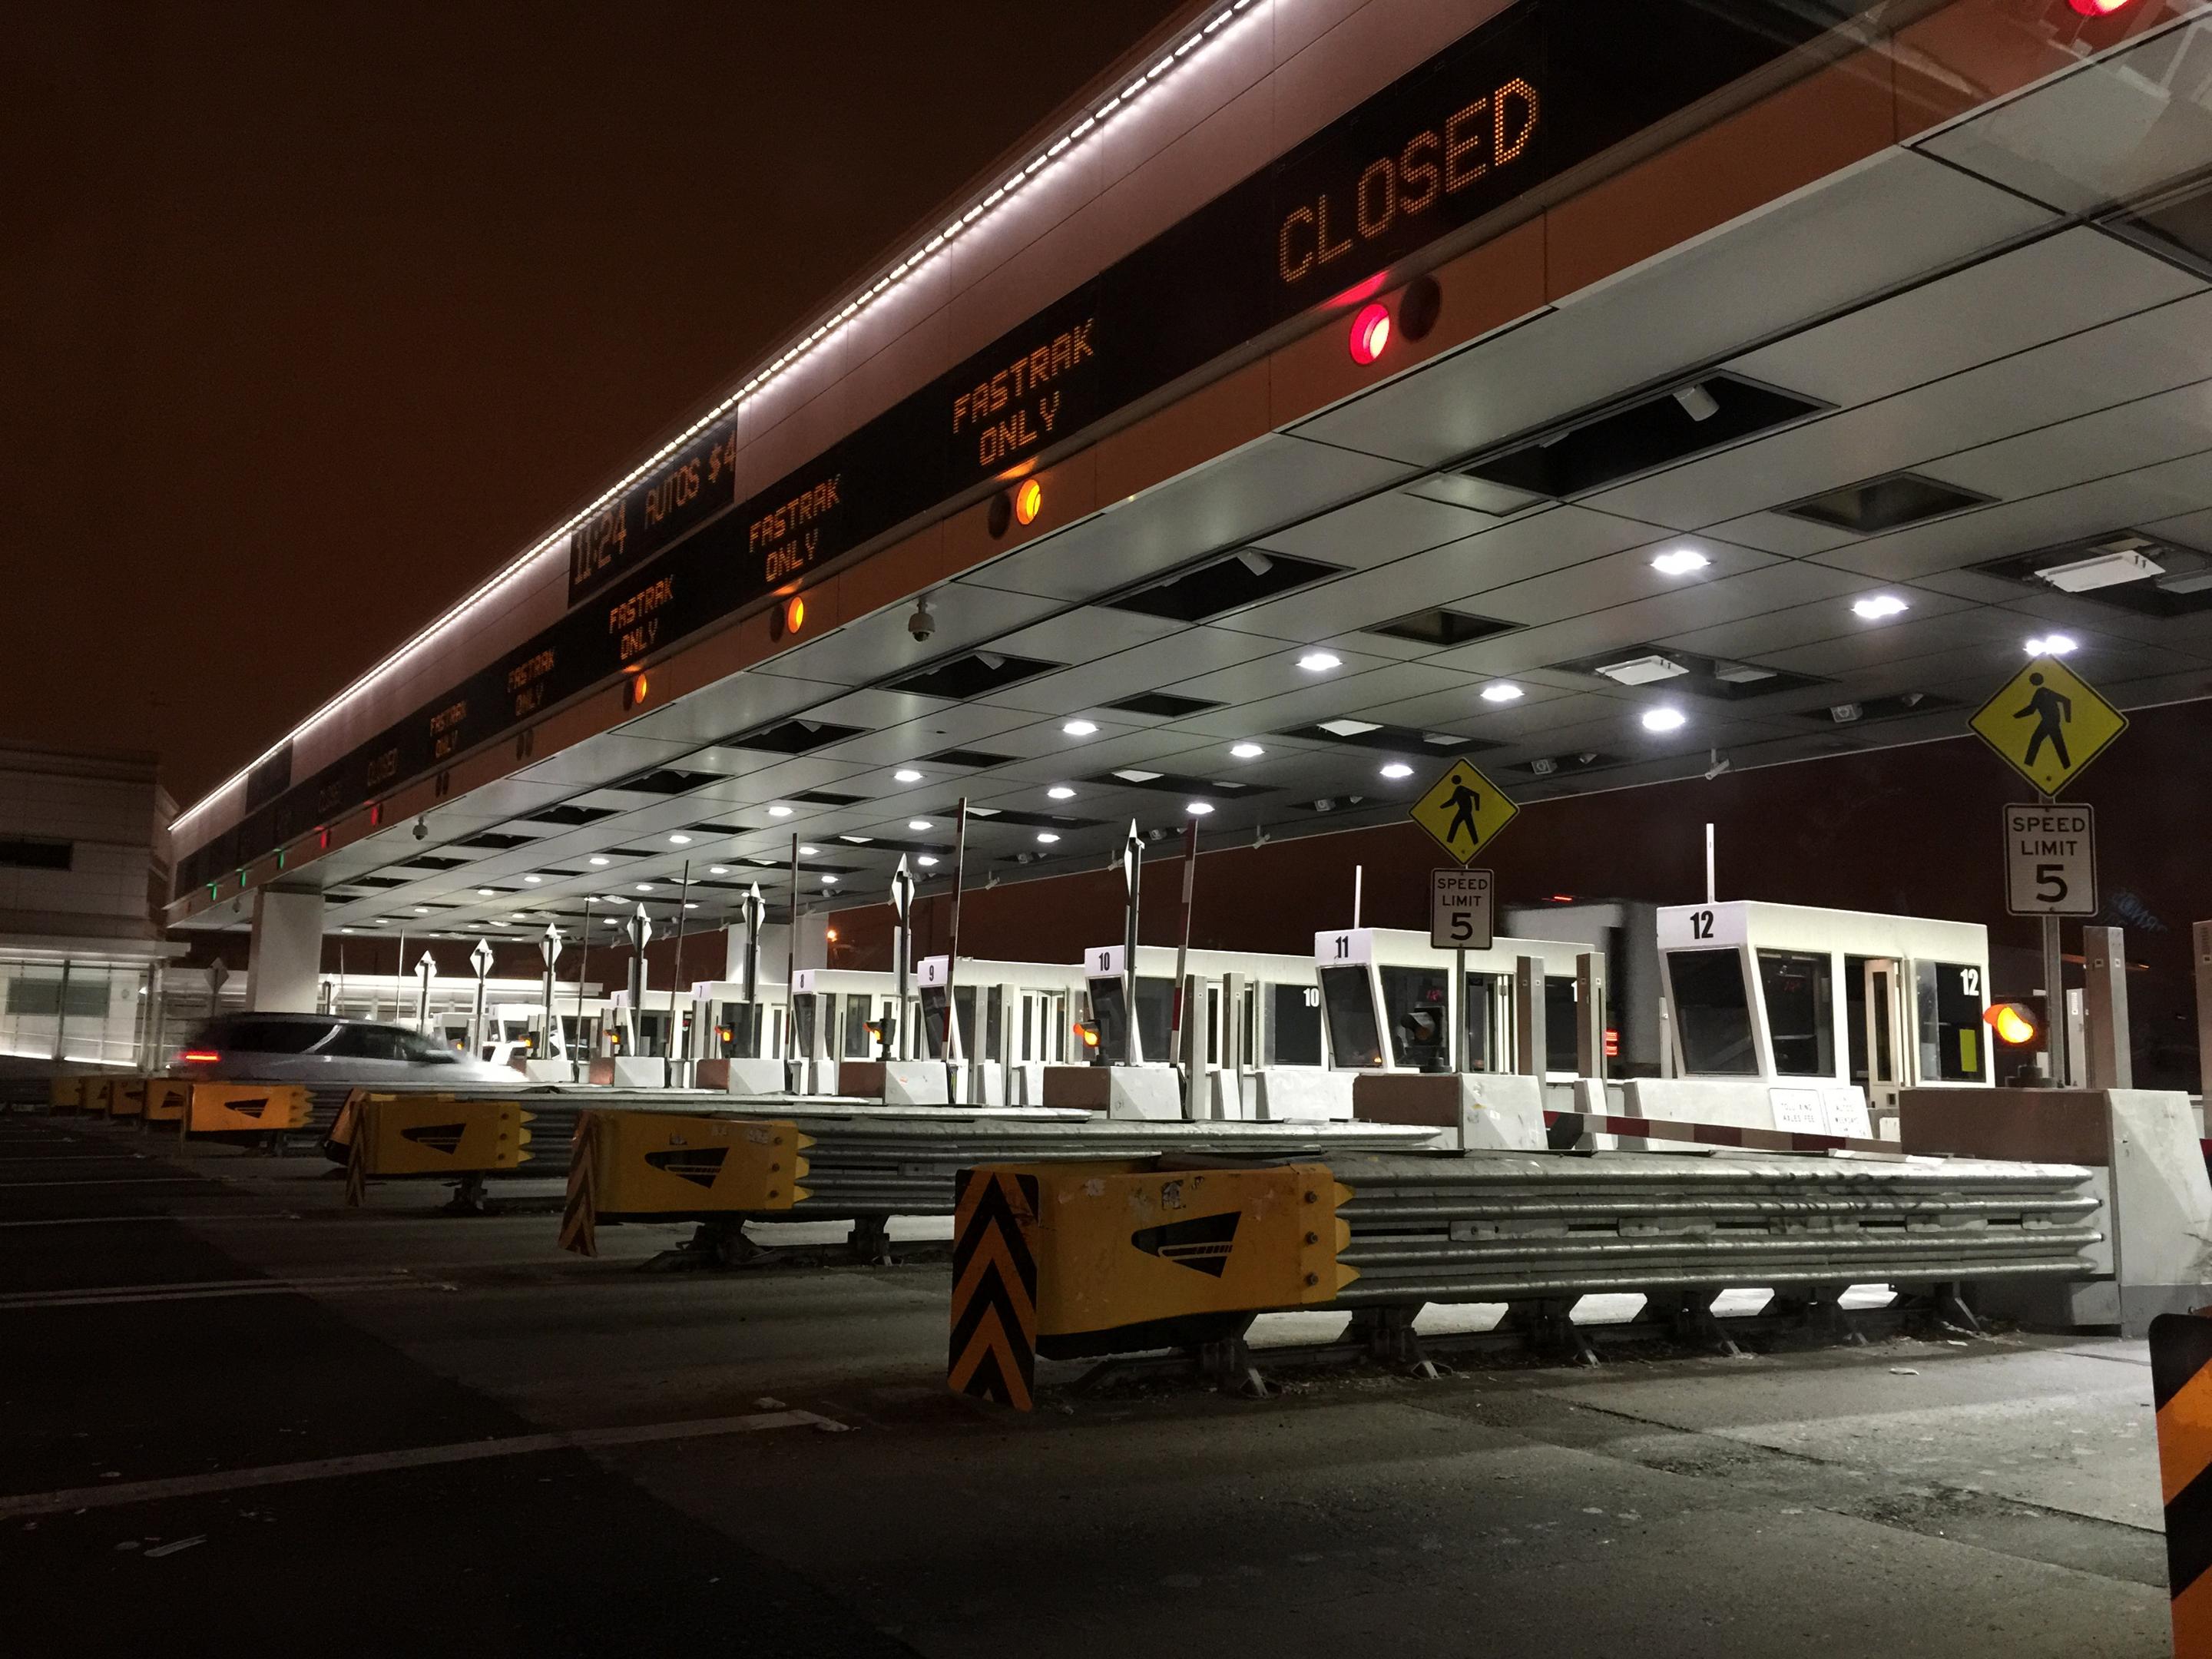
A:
917,823
1047,837
1874,607
1247,751
718,869
927,861
485,892
2053,645
600,858
1503,691
1134,775
690,904
1198,808
421,909
645,887
1080,728
342,930
1320,662
1397,769
533,880
829,881
1641,671
679,841
905,775
1679,562
1349,728
496,922
808,852
1664,720
779,812
2107,568
1061,792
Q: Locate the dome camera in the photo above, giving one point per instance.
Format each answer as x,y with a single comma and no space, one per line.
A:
923,623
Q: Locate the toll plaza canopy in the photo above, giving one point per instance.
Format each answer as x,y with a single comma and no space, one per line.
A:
1592,387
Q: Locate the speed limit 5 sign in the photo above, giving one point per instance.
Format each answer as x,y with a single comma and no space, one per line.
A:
2051,861
1460,910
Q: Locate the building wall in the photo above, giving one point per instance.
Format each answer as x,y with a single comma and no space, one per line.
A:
110,813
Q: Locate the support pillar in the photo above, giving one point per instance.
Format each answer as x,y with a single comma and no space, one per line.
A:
1530,1038
284,962
2105,959
1589,1015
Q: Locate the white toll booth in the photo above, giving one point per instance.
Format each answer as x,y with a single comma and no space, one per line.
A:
1788,1017
831,1010
735,1044
1267,1061
1385,993
1028,1018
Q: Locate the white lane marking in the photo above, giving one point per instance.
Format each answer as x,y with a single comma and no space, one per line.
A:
416,1458
119,1295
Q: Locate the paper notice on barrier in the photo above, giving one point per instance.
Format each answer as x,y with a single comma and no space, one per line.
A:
1846,1108
1797,1111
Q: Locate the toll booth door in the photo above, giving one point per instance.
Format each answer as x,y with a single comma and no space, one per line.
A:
1873,1022
1294,1019
1355,1026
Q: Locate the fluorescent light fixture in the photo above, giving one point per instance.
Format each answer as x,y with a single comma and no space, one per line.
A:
1058,792
1642,671
1397,769
1080,728
2106,569
1502,691
1046,838
1664,720
1875,606
1135,774
1679,562
679,841
1320,662
1246,751
918,824
904,774
1198,808
2053,645
1350,728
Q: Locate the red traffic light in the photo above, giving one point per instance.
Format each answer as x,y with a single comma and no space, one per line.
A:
1371,332
2099,8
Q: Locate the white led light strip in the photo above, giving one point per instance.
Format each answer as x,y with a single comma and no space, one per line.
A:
1191,48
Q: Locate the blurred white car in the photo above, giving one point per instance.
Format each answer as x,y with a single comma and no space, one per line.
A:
326,1050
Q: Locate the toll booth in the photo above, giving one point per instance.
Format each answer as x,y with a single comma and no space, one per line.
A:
832,1009
1817,1017
1016,1018
735,1044
1625,932
1258,1026
639,1042
1386,998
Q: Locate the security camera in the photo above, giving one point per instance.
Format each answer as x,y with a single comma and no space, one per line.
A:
923,623
422,829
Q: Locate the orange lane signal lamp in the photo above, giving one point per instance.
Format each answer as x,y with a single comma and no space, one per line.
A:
1371,332
2013,1023
1029,501
1088,1030
634,689
788,617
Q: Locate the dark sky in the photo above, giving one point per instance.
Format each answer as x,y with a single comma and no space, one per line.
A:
311,316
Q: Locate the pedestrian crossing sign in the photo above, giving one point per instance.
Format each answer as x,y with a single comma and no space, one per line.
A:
2048,723
1463,810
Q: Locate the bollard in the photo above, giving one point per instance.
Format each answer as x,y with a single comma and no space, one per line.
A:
2105,997
1530,1044
2181,1388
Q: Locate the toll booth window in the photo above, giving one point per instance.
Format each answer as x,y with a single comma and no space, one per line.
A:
1155,1015
1481,1030
366,1043
1713,1012
857,1046
1213,1025
994,1019
1415,1000
802,1023
1869,1043
1109,1006
1950,998
1799,1015
1350,1004
1560,1006
932,1022
1293,1025
260,1036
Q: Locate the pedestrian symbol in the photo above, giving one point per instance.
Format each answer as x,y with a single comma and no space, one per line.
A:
1463,810
2048,723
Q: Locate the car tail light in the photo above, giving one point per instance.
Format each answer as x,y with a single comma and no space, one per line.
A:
200,1056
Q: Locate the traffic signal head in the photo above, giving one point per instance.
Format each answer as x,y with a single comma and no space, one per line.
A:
1088,1030
2015,1024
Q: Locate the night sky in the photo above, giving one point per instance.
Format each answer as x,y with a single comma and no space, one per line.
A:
311,317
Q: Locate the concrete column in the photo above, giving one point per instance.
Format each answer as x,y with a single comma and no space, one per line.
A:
1196,1104
2104,956
284,962
1589,1015
1530,1037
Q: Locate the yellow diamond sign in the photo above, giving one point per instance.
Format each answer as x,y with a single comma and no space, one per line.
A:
1463,810
2049,723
